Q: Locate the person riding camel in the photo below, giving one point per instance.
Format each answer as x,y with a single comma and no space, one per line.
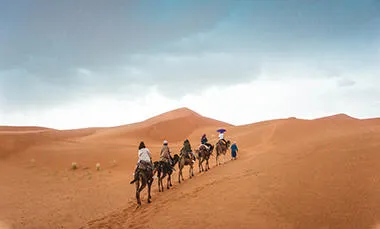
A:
186,149
221,138
165,154
144,158
204,141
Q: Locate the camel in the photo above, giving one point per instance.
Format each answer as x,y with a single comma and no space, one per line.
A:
163,169
143,177
183,161
221,149
204,155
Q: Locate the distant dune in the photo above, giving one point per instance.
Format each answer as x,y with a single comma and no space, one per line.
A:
22,128
291,173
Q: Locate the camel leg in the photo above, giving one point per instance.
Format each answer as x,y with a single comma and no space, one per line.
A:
179,175
170,178
191,171
138,192
168,182
182,173
159,181
143,184
201,169
162,184
149,189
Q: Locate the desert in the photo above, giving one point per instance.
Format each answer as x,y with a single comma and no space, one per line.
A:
290,173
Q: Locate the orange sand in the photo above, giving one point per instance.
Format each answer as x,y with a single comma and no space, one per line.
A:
291,173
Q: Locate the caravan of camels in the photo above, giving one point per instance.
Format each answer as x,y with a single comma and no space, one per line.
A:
146,169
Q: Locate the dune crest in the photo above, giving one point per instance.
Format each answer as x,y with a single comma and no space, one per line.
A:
337,117
175,125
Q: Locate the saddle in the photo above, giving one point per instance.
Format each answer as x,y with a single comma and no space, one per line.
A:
188,156
203,147
222,142
164,159
144,165
141,167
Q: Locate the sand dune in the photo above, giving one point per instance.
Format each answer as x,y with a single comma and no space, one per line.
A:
291,173
175,125
22,128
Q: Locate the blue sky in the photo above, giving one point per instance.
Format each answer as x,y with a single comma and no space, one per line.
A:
61,61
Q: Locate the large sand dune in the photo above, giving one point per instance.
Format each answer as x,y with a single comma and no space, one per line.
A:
291,173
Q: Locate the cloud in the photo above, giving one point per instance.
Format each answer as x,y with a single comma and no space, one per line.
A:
49,46
55,55
93,33
178,75
346,82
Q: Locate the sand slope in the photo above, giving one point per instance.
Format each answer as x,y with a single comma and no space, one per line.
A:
291,173
175,126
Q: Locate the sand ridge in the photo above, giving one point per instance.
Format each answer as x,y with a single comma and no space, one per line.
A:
291,173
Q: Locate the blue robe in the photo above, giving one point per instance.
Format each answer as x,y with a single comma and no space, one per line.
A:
234,150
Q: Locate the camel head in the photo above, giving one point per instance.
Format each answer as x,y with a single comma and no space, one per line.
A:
175,158
228,143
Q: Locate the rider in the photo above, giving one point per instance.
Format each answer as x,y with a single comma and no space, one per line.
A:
204,141
187,148
221,137
165,154
144,157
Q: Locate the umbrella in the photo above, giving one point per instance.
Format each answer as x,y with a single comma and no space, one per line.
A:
221,130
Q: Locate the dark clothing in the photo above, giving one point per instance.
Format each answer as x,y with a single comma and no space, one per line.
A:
234,150
204,140
186,148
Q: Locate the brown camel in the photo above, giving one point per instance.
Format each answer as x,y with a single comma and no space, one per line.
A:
221,149
143,177
186,159
204,155
163,168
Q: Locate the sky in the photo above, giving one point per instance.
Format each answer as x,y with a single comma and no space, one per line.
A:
73,64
